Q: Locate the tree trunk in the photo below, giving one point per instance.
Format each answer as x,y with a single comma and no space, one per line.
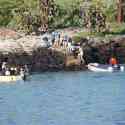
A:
46,9
44,12
120,14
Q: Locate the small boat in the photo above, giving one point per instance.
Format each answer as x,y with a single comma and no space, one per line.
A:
96,67
10,78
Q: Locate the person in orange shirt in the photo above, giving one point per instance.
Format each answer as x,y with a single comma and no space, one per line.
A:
113,61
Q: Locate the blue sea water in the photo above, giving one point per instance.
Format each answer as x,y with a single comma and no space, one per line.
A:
64,98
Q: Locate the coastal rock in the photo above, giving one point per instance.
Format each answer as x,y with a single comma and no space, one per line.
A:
10,46
28,50
9,34
100,50
47,59
41,59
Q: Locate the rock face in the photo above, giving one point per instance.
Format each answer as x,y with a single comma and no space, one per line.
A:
8,33
47,59
41,59
26,44
101,50
28,50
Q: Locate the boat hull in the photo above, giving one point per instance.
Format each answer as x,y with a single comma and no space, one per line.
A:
95,67
10,78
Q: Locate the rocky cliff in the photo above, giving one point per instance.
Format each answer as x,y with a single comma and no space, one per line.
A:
100,50
20,49
28,50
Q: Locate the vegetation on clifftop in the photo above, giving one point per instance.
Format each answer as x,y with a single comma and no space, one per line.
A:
26,15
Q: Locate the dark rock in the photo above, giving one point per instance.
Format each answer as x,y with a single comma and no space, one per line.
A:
100,52
41,59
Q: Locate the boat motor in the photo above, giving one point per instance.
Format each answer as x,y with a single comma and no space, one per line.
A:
122,68
110,69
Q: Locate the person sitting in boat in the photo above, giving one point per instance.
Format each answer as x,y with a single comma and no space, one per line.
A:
113,61
13,71
7,72
22,74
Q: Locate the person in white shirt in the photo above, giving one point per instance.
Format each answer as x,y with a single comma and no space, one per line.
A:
81,55
4,65
7,72
22,74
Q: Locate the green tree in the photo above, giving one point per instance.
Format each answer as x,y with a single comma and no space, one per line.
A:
47,11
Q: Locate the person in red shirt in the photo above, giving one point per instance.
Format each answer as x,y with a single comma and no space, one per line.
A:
113,61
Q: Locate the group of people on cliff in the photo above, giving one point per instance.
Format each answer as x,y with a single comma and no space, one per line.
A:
75,49
66,42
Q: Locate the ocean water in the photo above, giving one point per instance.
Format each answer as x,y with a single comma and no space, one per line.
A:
64,98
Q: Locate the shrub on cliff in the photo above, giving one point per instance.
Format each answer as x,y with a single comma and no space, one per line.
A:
20,14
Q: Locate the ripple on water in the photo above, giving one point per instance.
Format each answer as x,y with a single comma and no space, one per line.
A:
64,98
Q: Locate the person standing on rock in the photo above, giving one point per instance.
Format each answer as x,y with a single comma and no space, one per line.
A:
4,67
81,55
56,38
65,41
53,37
69,46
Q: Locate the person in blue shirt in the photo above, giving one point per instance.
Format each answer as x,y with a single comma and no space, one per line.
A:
65,40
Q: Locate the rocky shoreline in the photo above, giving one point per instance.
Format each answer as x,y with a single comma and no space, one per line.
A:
20,50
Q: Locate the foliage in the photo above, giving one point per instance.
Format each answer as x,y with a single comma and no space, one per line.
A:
5,11
23,14
67,16
26,14
116,29
20,15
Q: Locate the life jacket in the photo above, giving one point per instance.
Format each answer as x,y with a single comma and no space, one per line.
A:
113,61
